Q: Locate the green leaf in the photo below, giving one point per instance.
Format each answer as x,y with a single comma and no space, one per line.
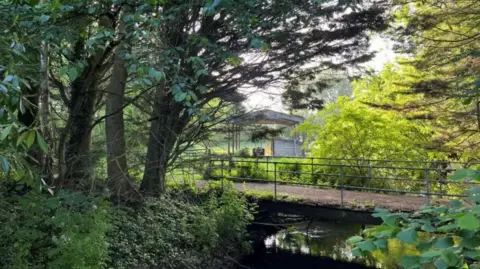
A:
472,254
91,42
431,254
410,262
30,138
443,242
193,95
44,18
470,243
180,96
22,138
474,194
424,246
41,142
5,164
140,71
447,228
381,244
408,236
356,252
391,220
3,89
21,106
460,174
354,239
469,222
455,204
427,227
367,246
154,73
63,71
384,231
451,258
201,72
475,209
5,132
465,174
440,264
72,73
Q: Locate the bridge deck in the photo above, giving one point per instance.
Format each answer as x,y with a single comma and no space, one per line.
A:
331,197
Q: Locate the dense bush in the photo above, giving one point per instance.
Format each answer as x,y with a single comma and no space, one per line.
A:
173,233
64,231
444,236
186,229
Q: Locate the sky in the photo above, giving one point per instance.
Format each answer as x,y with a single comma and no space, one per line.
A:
270,98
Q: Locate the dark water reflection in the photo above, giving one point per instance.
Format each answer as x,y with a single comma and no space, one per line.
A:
318,245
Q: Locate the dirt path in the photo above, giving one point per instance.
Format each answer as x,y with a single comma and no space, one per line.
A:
331,197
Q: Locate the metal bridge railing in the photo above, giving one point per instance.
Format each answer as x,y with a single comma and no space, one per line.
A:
421,178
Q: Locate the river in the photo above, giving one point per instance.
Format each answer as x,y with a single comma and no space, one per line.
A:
318,244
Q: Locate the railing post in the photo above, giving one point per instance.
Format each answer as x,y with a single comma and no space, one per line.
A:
427,185
222,175
312,172
275,180
267,168
369,171
341,185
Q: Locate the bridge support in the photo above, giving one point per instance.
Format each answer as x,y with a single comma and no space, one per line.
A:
318,212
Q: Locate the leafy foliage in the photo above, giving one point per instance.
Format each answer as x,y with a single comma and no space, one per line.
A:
172,232
350,129
445,236
71,230
65,231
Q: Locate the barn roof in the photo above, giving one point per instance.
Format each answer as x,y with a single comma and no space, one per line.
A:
267,116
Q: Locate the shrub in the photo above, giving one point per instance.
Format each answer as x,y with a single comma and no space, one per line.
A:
444,236
192,229
251,169
290,171
180,232
62,231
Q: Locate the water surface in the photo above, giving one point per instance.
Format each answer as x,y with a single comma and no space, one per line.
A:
319,244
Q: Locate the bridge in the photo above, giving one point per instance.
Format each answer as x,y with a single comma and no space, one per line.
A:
358,185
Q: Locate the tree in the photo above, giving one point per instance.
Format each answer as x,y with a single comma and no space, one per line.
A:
313,94
286,35
170,63
352,130
117,168
441,41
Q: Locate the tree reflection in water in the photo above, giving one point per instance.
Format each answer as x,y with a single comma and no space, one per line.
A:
328,241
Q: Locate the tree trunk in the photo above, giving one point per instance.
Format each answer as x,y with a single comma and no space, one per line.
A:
74,142
164,131
45,161
117,169
77,158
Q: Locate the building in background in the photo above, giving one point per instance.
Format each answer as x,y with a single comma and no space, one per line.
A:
277,146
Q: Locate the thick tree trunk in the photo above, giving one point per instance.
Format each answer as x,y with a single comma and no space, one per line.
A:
117,169
77,158
164,132
75,140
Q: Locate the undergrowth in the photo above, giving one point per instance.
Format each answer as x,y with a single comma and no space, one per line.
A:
183,229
